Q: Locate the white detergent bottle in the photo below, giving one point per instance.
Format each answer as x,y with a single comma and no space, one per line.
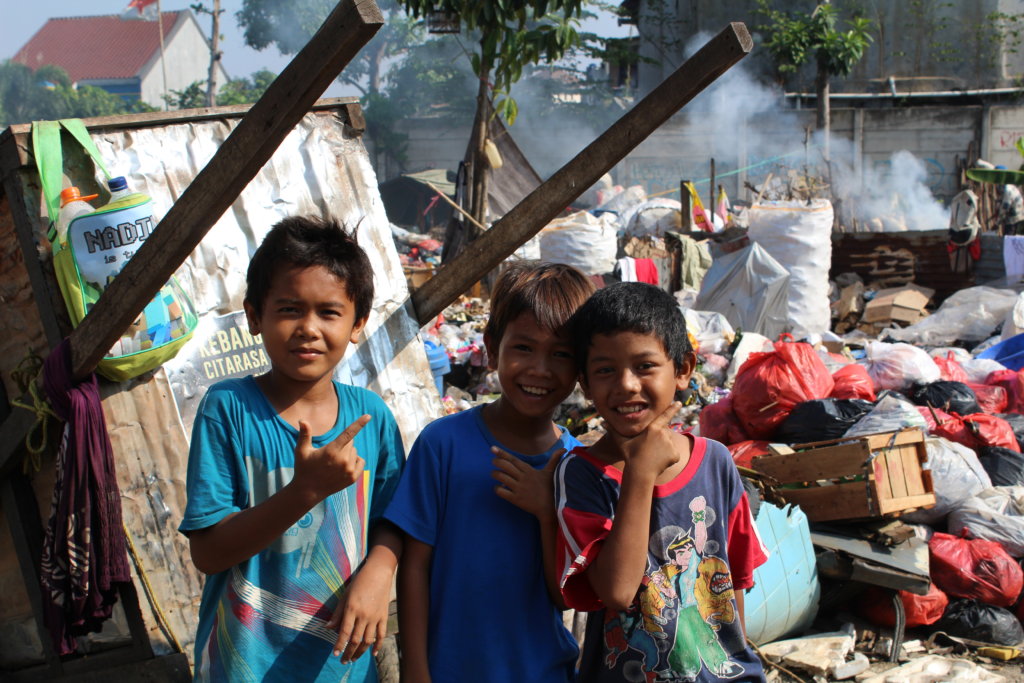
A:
72,205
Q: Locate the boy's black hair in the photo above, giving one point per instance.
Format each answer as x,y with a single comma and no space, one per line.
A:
550,291
631,307
306,241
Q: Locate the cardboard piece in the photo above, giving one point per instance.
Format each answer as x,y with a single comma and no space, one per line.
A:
899,304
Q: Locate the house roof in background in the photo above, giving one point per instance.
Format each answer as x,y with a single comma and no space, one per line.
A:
96,48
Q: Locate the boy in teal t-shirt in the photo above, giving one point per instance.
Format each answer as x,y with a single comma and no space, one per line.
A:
285,523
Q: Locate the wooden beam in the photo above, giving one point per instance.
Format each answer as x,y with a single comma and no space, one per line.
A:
348,28
551,197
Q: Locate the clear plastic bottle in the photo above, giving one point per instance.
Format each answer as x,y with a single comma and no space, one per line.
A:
72,205
121,194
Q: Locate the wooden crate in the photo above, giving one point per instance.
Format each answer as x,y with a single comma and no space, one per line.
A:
871,476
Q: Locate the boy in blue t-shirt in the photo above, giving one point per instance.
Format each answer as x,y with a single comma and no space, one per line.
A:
477,578
284,523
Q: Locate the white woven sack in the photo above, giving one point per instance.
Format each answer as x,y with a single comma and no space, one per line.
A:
799,236
581,240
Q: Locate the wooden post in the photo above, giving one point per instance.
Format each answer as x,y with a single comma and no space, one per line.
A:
711,190
350,26
551,197
686,210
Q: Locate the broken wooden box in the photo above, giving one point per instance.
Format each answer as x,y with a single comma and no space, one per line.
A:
862,477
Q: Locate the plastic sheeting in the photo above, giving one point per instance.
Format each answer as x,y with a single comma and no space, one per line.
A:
750,288
970,315
319,168
799,236
995,514
957,475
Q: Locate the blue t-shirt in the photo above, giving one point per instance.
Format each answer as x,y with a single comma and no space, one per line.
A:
266,618
491,618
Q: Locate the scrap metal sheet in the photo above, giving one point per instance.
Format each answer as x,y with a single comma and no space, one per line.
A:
320,168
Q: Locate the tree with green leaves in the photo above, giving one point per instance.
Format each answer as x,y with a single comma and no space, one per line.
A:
796,37
510,34
289,26
47,94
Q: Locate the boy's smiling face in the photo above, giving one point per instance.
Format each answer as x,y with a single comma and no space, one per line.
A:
307,323
631,380
535,366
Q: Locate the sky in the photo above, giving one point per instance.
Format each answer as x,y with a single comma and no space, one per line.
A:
23,19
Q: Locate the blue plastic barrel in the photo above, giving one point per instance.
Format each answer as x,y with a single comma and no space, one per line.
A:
1009,352
784,599
439,363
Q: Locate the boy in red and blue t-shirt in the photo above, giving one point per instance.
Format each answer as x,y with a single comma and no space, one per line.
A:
655,528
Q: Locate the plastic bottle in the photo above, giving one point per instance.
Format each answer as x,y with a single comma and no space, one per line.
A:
121,195
72,205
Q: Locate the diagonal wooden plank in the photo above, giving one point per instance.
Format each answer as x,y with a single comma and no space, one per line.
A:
348,28
569,182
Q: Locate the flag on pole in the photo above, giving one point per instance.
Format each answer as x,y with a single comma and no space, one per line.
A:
141,9
700,217
722,207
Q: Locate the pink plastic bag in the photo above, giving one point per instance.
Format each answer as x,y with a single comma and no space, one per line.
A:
770,384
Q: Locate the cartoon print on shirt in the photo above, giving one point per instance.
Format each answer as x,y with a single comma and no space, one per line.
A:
679,608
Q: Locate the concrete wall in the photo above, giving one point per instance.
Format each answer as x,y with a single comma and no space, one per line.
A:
682,148
924,45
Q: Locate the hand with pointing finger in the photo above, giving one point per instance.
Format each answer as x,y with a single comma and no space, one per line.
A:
330,468
653,450
524,486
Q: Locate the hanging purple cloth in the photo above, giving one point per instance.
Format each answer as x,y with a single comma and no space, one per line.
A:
84,555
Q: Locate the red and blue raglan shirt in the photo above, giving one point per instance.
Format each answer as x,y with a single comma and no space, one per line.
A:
703,545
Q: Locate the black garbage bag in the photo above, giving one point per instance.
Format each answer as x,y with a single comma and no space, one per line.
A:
1004,466
1016,421
978,621
953,397
822,419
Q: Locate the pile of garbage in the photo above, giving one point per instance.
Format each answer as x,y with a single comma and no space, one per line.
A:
881,436
416,250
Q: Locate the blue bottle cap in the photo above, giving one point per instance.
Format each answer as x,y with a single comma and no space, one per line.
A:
117,184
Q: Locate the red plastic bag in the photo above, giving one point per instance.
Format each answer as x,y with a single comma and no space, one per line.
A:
975,431
1013,382
744,452
853,381
989,430
940,423
770,384
718,422
991,398
951,370
921,610
974,568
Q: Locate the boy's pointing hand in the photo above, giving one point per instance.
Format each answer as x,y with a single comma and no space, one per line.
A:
332,467
652,449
